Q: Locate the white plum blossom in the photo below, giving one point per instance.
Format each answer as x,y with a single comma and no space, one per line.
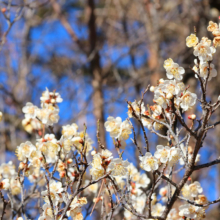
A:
173,215
7,170
69,131
24,151
192,40
205,68
47,213
162,153
190,211
82,139
175,72
125,130
175,154
157,209
136,107
187,100
195,188
15,186
148,162
50,97
203,51
118,167
30,110
112,125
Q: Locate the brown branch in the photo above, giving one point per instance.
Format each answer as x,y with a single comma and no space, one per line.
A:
198,167
5,203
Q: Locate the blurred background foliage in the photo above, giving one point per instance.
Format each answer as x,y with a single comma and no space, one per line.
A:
97,54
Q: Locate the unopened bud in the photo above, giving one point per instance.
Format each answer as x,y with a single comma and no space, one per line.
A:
133,191
62,156
81,141
161,81
192,117
4,10
69,161
190,150
1,116
19,218
219,98
53,101
152,88
93,152
169,96
62,174
22,165
95,200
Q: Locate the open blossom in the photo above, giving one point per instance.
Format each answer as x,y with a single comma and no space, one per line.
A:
118,167
168,63
172,214
162,153
7,170
69,131
187,100
15,187
55,192
148,162
50,97
112,125
47,213
212,26
175,72
195,188
192,190
190,211
191,40
75,210
157,110
125,130
48,115
174,155
24,151
136,107
100,163
30,110
157,209
203,51
31,125
205,68
82,140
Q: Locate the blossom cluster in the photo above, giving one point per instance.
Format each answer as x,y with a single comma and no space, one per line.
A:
56,164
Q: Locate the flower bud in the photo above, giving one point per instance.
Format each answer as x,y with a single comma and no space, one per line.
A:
133,191
192,117
22,165
152,88
5,184
62,156
69,161
62,174
93,152
161,81
3,10
169,96
19,218
1,116
219,98
53,101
